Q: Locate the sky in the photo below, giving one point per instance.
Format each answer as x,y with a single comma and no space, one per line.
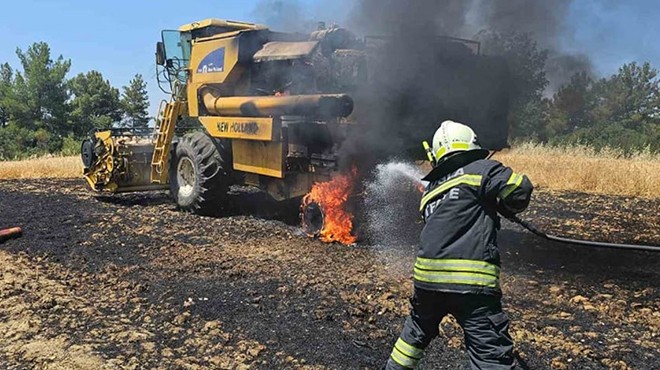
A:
118,37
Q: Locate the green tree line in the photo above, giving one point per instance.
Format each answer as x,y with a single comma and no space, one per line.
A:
44,111
619,111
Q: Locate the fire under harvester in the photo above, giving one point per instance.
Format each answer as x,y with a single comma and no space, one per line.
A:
271,108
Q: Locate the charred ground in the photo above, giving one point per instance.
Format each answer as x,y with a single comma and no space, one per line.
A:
128,282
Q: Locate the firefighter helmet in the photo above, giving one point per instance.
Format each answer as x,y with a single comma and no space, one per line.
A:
452,137
449,140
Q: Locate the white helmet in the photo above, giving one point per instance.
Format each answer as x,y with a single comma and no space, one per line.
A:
453,137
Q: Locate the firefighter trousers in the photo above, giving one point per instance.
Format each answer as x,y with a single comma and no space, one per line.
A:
485,327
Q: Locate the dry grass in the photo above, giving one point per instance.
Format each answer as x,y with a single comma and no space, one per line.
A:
577,168
581,168
41,168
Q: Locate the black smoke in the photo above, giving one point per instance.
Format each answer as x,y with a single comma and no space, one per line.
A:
545,21
282,15
417,80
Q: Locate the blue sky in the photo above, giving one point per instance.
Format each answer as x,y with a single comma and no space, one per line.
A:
613,32
117,37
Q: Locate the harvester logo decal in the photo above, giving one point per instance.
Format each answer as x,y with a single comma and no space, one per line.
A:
248,128
214,62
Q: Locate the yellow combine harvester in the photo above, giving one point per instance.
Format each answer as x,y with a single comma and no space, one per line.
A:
264,122
271,110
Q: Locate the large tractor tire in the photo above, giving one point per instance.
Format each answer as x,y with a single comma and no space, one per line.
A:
200,173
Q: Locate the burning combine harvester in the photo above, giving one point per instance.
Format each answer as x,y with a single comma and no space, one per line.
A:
272,110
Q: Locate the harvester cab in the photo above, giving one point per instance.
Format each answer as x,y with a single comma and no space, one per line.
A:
267,109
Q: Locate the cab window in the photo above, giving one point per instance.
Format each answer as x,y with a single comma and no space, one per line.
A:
177,47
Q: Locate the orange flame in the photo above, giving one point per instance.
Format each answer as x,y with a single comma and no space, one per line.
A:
332,197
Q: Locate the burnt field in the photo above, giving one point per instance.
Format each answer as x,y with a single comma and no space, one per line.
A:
128,282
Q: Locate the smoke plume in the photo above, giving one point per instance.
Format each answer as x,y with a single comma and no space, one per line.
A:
282,15
545,21
417,80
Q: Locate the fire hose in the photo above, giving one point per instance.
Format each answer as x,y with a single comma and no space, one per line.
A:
534,230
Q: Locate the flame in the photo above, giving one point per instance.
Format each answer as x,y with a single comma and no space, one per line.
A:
332,197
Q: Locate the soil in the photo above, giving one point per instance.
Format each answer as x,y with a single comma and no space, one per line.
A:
129,282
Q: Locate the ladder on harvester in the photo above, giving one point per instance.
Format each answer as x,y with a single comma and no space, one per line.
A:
166,123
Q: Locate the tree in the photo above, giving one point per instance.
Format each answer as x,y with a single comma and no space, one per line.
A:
631,97
621,111
569,108
526,64
16,142
95,103
6,74
39,97
135,103
528,120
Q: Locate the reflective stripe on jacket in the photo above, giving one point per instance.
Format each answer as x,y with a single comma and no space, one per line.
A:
406,355
458,246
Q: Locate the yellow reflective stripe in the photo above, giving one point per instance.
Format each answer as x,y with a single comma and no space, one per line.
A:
462,278
443,149
429,152
440,152
460,146
473,180
514,181
456,275
455,260
408,350
457,265
403,360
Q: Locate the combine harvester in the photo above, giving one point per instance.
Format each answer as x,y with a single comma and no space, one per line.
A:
271,110
250,106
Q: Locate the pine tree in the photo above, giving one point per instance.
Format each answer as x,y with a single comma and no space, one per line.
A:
39,96
135,103
95,103
6,77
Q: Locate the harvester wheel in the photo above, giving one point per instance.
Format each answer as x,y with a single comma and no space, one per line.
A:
199,173
313,218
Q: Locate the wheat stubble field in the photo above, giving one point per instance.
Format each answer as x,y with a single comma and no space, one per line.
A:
129,282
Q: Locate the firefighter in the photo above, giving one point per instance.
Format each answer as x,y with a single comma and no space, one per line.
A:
458,263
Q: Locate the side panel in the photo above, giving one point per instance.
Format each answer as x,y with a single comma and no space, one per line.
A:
294,185
247,128
212,62
263,158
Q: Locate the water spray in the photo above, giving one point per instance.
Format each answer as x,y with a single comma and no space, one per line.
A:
386,221
391,198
